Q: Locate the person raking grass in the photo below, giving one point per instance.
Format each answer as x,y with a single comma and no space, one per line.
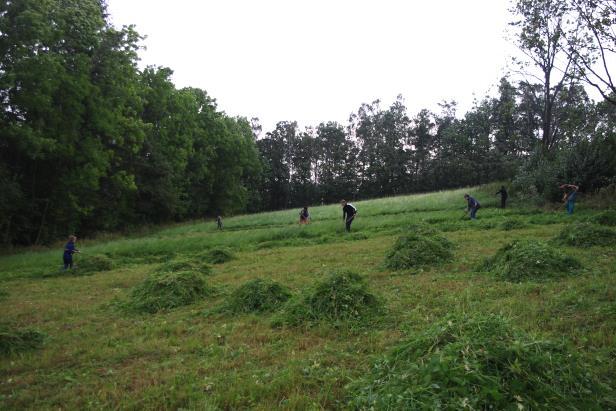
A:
472,206
304,216
348,214
219,222
69,250
569,196
504,195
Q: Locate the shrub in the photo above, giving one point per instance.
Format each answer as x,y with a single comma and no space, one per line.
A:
419,248
586,235
165,290
258,296
12,341
529,260
512,224
185,264
219,255
89,264
607,217
343,296
477,362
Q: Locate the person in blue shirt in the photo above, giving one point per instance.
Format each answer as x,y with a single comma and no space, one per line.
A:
304,216
472,206
69,250
570,195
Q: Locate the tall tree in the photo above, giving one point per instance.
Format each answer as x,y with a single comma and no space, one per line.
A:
540,36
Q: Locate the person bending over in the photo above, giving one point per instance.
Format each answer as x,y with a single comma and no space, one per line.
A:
348,214
472,206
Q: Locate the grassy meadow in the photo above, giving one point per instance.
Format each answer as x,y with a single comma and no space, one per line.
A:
95,354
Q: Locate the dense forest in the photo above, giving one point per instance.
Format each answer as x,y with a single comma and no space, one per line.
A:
90,142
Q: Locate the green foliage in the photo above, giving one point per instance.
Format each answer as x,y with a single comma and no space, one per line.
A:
166,290
607,217
18,340
89,264
219,255
512,224
257,296
477,362
3,294
342,297
586,235
523,260
421,247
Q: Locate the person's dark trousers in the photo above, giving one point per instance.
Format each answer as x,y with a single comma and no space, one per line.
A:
473,213
68,261
348,223
503,202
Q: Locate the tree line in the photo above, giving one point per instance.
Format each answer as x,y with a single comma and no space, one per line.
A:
89,142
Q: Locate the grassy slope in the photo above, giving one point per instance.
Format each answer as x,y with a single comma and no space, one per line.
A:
99,357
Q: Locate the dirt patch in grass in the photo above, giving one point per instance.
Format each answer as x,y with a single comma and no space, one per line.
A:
421,246
523,260
257,296
477,362
586,235
342,297
18,340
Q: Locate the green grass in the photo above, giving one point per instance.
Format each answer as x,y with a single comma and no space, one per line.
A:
95,356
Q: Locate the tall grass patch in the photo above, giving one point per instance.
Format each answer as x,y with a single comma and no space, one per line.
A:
477,362
523,260
342,297
586,235
258,296
18,340
420,246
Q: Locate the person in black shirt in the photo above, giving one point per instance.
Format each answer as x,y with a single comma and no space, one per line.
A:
219,222
503,194
348,214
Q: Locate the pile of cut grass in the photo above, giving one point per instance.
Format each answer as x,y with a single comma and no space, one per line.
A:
586,235
90,264
219,255
15,340
421,246
258,296
608,217
512,224
167,290
477,362
523,260
186,264
342,297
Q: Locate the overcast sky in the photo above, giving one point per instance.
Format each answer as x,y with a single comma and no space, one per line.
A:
318,60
